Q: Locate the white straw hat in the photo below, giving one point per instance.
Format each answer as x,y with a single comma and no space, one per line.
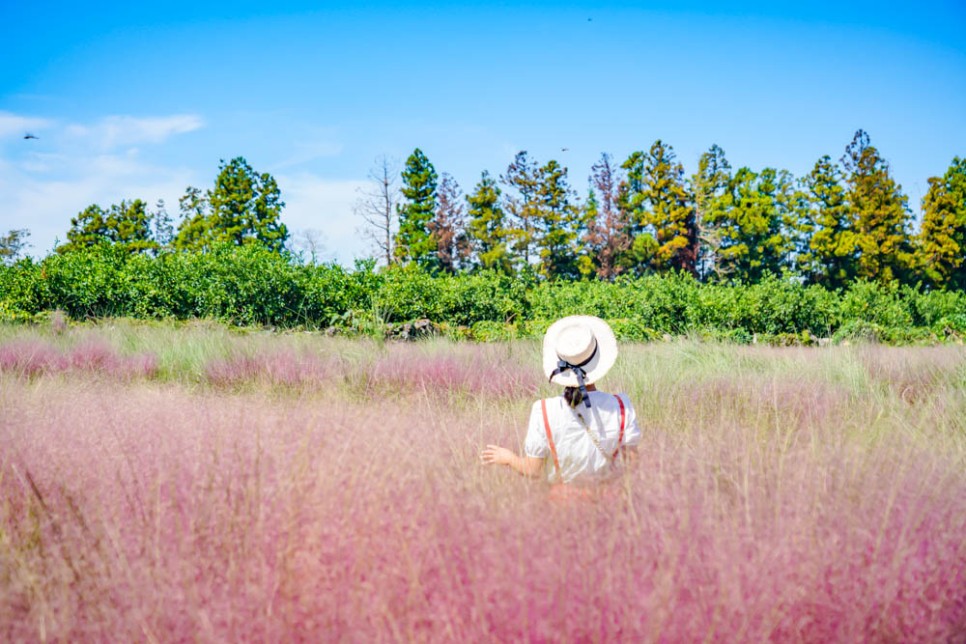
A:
584,341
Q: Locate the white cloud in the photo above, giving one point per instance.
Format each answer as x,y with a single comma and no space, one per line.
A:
45,203
120,131
14,125
325,205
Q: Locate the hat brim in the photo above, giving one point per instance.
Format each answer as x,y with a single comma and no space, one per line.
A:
598,366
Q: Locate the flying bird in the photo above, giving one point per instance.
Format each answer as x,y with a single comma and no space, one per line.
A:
565,149
28,135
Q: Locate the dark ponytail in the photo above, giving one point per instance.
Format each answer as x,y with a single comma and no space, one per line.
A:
573,396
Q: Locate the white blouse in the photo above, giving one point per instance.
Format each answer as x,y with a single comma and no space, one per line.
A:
579,457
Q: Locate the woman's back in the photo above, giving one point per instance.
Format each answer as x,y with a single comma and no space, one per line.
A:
587,440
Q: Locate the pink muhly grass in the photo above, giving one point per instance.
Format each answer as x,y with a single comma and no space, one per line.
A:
483,373
154,512
30,357
285,368
34,357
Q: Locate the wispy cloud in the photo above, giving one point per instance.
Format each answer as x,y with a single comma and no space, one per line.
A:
324,205
120,131
17,125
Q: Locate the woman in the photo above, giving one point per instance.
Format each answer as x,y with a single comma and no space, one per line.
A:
581,436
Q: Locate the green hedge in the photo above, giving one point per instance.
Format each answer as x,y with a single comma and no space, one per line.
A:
253,286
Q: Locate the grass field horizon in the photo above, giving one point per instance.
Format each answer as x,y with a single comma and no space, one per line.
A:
163,483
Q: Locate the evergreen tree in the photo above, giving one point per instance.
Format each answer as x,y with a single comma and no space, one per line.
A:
12,244
753,234
127,224
558,224
522,205
711,190
244,207
414,239
486,231
449,226
880,212
832,250
941,244
608,235
663,207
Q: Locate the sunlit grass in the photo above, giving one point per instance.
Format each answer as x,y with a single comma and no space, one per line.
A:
263,487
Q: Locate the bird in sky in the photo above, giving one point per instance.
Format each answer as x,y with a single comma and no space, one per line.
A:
28,135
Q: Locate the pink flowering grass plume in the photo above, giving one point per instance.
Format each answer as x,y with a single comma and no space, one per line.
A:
778,505
484,372
286,369
32,357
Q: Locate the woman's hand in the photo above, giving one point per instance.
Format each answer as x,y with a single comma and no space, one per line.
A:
526,465
496,455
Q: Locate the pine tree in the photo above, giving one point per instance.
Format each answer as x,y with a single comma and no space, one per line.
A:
486,231
414,239
753,234
663,206
880,211
711,190
941,244
831,258
127,225
521,205
558,224
243,207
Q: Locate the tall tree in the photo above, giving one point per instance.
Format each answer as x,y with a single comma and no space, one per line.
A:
522,205
608,235
558,223
194,231
941,244
377,204
882,217
162,227
414,239
127,224
832,249
449,226
713,200
243,207
12,244
487,230
753,234
663,207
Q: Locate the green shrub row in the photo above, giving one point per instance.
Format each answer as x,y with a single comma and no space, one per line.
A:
252,286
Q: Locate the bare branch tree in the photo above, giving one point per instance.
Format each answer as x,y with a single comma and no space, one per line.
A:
310,241
377,205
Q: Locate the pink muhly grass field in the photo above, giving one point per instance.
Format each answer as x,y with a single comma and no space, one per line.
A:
783,496
31,357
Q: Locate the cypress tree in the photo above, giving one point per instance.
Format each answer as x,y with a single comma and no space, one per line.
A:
487,226
941,244
414,239
880,212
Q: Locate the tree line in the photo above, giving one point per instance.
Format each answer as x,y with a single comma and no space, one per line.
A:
846,220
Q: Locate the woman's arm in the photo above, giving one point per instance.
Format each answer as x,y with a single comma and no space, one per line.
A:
526,465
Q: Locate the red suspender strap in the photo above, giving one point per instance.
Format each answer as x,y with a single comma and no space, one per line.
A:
553,448
620,439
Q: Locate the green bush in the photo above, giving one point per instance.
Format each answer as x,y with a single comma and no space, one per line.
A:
252,286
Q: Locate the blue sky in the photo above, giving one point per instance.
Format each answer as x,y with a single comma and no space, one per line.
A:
141,100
